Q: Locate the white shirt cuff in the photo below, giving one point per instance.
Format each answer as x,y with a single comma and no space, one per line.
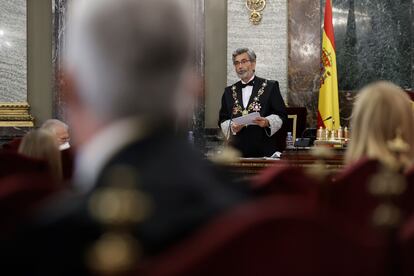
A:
275,123
225,128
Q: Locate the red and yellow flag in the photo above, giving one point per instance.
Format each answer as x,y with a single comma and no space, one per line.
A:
328,105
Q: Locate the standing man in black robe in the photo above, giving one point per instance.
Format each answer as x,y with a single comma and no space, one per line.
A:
252,94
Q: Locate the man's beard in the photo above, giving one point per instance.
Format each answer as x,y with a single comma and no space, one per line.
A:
243,74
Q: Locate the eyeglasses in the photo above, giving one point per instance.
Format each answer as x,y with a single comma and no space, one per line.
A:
242,62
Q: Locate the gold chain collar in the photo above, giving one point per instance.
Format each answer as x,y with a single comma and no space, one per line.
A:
254,106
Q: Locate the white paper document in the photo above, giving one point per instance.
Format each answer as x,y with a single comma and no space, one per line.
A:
247,119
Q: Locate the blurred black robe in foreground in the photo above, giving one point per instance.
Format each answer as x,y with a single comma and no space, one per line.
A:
185,191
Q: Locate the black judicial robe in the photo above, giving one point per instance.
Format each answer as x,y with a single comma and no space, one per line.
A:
185,190
252,140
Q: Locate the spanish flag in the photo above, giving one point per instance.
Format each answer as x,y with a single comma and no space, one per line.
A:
328,105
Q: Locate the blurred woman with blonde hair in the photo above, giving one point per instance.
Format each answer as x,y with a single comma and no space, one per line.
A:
381,113
41,144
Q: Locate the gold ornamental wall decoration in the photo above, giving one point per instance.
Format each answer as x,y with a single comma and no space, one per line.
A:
255,7
15,114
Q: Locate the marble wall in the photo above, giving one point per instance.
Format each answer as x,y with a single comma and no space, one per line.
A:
195,8
268,40
373,39
13,51
373,42
304,36
215,58
59,9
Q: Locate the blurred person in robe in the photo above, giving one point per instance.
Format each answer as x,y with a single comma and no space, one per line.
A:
41,144
381,113
62,136
60,130
126,64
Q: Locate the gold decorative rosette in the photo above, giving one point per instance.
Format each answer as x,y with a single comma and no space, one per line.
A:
255,7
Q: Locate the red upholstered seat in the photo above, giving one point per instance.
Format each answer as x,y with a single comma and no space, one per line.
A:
67,157
68,161
406,247
407,200
13,145
410,93
349,194
285,179
280,235
20,195
14,163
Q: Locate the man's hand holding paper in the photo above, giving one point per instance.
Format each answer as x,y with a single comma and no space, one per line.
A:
261,122
235,128
248,119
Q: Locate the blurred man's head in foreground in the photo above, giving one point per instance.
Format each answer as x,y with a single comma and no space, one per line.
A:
124,58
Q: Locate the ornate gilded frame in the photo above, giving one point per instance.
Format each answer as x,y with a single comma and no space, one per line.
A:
15,114
294,117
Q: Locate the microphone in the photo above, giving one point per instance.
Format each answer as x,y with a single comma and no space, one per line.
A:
307,138
309,132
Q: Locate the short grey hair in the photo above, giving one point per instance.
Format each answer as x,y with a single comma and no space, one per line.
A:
250,53
51,124
127,56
